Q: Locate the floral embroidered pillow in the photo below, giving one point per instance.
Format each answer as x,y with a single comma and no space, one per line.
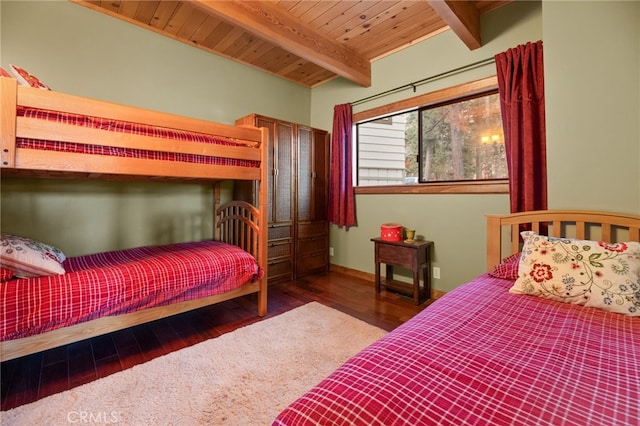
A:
29,258
590,273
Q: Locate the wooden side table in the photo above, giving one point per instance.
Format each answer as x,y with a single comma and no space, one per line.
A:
415,256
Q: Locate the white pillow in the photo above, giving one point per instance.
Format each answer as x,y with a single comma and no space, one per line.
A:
583,272
26,79
29,258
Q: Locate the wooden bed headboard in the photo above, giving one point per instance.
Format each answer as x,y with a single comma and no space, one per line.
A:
238,223
580,224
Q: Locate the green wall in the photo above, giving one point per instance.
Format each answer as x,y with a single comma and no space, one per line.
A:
592,78
593,131
83,217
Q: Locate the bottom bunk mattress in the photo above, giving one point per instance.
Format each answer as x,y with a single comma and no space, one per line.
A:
483,356
120,282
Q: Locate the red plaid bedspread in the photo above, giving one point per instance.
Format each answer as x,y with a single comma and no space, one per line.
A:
482,356
129,128
120,282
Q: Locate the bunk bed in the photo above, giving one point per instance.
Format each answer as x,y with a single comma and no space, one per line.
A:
47,134
511,347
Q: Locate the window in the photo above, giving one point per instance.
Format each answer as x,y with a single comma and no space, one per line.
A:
387,150
458,140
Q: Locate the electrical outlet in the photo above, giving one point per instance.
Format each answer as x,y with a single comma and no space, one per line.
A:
331,252
436,272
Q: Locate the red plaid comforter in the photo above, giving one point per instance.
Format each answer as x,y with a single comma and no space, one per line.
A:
483,356
129,128
120,282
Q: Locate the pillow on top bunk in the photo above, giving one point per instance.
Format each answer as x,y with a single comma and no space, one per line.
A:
507,268
26,79
29,258
590,273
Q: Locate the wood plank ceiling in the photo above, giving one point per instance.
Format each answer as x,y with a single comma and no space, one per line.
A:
307,42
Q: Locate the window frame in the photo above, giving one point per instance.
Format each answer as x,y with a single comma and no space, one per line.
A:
474,88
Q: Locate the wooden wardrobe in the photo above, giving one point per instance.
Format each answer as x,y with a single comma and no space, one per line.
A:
298,236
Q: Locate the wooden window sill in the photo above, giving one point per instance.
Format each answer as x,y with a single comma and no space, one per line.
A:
498,186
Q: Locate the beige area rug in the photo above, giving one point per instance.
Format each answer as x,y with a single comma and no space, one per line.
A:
245,377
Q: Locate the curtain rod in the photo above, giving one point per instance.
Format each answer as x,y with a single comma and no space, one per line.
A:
424,81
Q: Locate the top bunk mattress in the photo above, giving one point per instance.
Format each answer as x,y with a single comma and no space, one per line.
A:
125,127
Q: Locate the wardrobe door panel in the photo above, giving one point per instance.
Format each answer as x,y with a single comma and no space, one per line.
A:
305,179
283,177
320,174
271,126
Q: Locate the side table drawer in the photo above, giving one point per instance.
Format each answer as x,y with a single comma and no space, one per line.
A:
395,255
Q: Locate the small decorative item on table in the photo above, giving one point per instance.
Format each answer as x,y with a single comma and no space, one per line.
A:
411,234
391,232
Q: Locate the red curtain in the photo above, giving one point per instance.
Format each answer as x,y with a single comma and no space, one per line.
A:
342,208
521,85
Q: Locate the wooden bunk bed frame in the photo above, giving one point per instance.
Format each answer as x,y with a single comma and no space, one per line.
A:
236,222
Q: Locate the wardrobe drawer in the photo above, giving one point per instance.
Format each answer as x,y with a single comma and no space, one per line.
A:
279,232
311,229
312,263
278,249
313,244
280,270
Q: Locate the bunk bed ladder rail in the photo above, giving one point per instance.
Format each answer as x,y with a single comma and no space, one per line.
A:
238,224
8,100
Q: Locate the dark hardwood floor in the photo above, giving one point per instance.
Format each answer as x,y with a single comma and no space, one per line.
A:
36,376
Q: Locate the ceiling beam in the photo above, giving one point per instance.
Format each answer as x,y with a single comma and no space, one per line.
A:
264,20
462,17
